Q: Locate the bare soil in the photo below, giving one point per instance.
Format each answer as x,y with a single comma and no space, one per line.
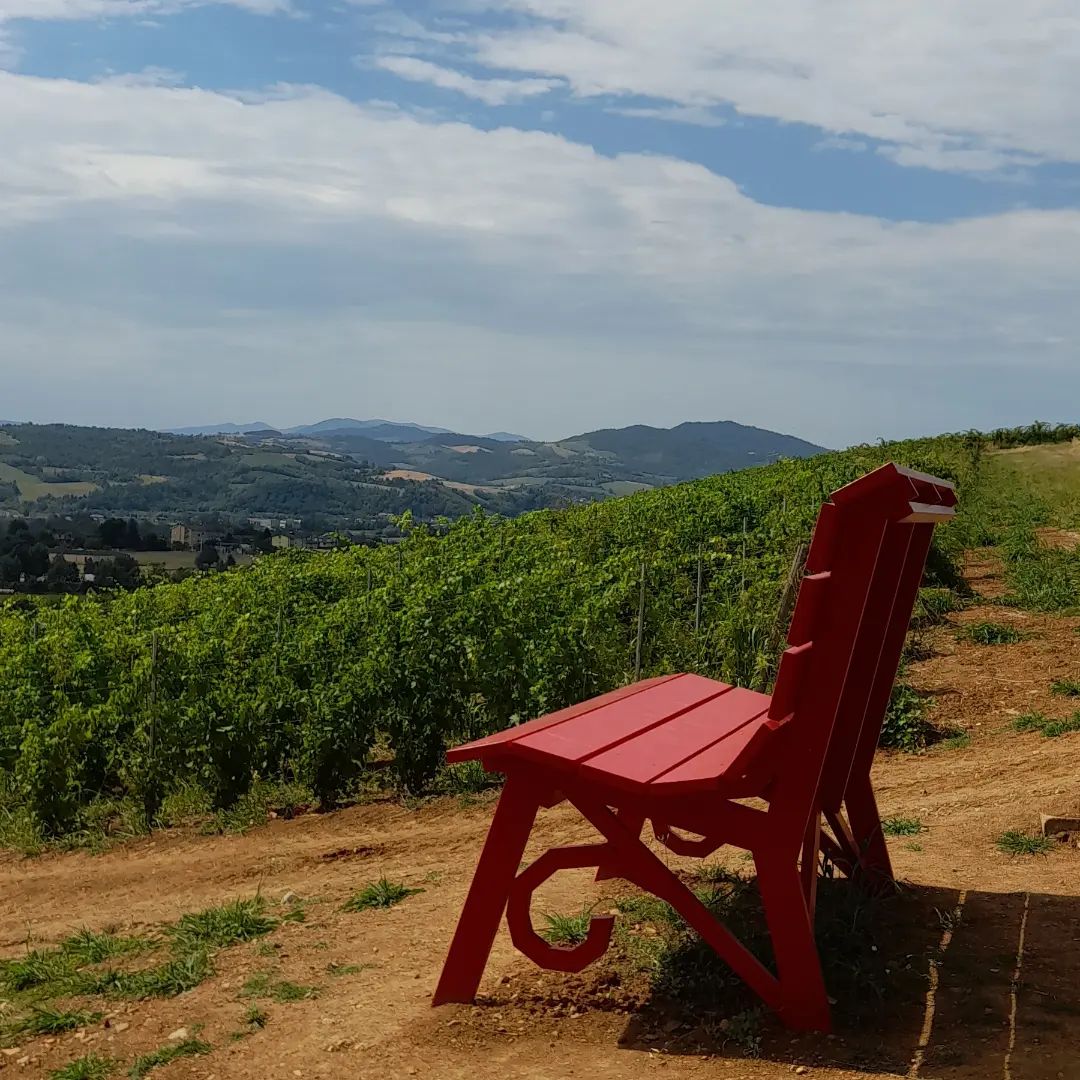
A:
995,993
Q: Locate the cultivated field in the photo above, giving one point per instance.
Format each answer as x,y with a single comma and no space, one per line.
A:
977,961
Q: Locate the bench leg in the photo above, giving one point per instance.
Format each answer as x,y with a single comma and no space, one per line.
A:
486,902
804,1005
865,823
634,823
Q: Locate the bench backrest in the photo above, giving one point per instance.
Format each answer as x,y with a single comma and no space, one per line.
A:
864,570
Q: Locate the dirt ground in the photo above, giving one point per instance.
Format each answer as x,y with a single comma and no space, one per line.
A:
1003,1001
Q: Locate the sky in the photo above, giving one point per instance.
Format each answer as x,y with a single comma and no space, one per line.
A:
844,219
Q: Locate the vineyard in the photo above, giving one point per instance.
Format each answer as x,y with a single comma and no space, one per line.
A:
337,670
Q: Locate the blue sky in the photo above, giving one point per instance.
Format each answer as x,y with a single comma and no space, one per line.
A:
842,219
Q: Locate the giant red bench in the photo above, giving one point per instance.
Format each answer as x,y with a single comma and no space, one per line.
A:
682,751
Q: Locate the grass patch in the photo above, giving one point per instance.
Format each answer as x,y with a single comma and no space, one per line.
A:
46,1021
283,992
958,740
170,979
88,1067
347,969
567,929
902,826
1016,842
91,947
1049,727
162,1056
991,633
906,726
379,894
917,848
254,807
1066,687
217,927
41,967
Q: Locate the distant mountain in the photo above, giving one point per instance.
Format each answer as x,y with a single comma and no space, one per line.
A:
220,429
505,436
384,430
693,449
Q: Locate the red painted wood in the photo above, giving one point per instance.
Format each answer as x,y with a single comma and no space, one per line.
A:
482,746
600,729
652,753
680,750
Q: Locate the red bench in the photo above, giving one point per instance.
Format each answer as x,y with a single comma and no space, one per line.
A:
681,750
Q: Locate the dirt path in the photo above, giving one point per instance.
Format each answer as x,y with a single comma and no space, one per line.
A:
988,1018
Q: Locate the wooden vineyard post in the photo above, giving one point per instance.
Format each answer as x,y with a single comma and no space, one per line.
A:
640,625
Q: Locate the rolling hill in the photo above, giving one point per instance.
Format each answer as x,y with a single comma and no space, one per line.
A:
356,470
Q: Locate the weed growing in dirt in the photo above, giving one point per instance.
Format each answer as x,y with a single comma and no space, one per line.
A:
45,1021
917,848
216,927
961,740
255,1017
933,605
145,1064
991,633
465,778
1066,687
906,726
567,929
902,826
170,979
90,947
1050,728
1016,842
41,967
89,1067
379,894
347,969
744,1030
263,985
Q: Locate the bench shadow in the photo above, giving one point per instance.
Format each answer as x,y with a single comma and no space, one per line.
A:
923,981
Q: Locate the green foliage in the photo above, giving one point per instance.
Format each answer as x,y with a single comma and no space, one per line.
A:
901,826
217,927
88,1067
1016,842
906,726
176,976
567,929
1049,727
1066,687
991,633
293,671
43,1020
283,992
379,894
146,1063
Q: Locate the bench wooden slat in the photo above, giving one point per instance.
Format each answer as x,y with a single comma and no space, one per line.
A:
649,755
616,722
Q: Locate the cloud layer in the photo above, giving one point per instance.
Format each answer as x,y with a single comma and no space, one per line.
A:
969,85
157,243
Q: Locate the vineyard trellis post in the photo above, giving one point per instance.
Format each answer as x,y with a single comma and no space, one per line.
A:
640,625
697,598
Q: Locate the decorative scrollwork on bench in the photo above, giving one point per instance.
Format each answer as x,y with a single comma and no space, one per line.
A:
558,957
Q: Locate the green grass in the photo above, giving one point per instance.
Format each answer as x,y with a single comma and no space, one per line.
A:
217,927
170,979
961,740
146,1063
1066,687
1049,727
41,967
42,1020
917,848
902,826
264,985
566,929
379,894
88,1067
347,969
90,947
1016,842
906,726
991,633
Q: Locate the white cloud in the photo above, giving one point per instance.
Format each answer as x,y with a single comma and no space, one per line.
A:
489,91
970,85
676,114
47,10
300,249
